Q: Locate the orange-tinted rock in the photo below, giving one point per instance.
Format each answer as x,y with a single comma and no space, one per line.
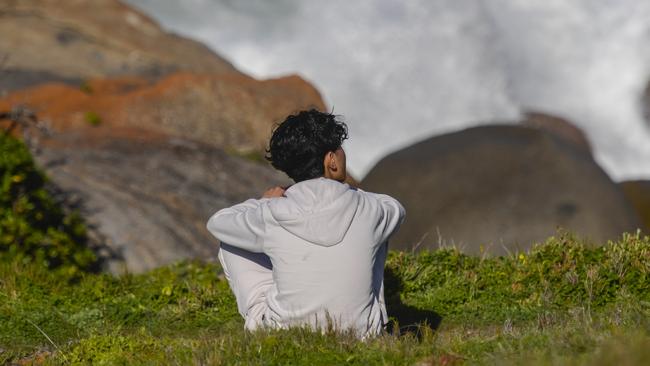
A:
232,111
75,40
638,193
558,127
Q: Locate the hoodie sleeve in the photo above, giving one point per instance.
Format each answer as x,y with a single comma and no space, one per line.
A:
390,216
241,225
393,215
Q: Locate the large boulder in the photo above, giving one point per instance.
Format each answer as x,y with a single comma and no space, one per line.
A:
499,189
147,197
638,193
53,40
232,111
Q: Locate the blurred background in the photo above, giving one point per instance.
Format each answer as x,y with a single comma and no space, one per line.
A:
495,123
401,71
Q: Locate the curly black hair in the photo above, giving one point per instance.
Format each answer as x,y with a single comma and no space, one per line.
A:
299,144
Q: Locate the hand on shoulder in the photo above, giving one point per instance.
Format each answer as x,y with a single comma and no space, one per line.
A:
274,192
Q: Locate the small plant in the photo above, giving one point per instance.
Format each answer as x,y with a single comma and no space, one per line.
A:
250,155
93,119
86,87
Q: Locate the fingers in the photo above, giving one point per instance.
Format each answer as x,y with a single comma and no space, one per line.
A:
273,192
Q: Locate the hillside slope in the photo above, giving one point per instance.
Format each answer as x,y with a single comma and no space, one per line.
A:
52,40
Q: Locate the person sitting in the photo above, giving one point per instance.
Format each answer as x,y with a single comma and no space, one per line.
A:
312,254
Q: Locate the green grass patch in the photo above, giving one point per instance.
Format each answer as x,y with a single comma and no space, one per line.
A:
559,275
561,303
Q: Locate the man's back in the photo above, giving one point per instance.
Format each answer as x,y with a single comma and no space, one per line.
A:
327,245
312,254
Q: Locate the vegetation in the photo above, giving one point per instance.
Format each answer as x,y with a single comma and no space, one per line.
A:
561,303
86,87
93,119
250,155
33,227
560,275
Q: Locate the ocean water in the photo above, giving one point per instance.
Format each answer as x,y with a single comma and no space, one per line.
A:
402,71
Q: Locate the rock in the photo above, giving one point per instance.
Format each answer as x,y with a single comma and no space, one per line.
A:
501,187
76,40
559,127
232,111
147,196
152,133
638,193
19,79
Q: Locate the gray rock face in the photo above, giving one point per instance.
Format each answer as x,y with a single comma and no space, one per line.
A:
15,79
148,198
502,188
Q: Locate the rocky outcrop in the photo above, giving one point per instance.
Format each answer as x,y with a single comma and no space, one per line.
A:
499,189
232,111
638,193
52,40
147,163
146,196
152,133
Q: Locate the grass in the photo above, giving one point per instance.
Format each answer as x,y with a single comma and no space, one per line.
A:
561,303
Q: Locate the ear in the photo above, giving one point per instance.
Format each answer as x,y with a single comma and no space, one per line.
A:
332,161
329,164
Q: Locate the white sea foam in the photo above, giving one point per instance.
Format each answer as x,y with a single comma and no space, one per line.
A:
401,71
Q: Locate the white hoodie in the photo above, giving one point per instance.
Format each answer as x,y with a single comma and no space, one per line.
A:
327,243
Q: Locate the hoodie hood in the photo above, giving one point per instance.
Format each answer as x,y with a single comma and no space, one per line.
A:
319,210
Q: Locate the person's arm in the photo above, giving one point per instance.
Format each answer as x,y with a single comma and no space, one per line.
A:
243,225
391,215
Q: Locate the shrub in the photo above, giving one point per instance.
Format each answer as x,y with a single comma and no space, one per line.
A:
559,275
33,227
